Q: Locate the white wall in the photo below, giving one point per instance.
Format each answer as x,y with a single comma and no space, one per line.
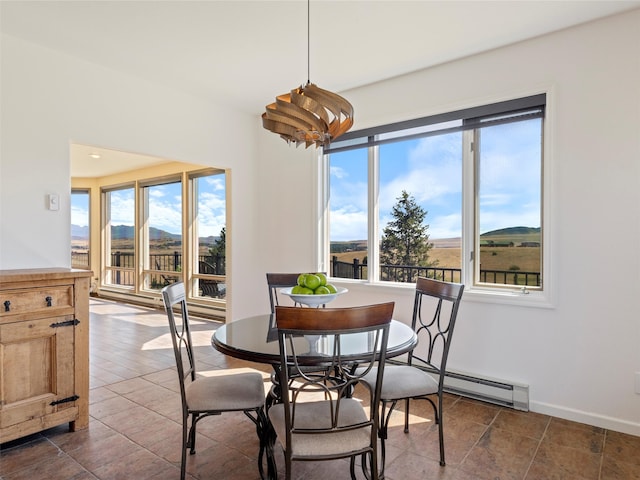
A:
579,357
49,100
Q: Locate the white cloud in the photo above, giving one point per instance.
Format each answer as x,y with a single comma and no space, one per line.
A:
211,213
348,224
435,172
338,172
445,226
122,207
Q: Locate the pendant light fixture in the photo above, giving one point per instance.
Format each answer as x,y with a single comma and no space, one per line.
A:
308,114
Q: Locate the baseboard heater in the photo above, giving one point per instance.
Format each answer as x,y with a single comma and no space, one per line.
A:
499,392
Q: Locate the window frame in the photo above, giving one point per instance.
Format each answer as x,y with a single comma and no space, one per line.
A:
87,192
109,270
142,269
543,297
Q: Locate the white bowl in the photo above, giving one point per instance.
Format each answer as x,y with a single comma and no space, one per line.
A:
313,300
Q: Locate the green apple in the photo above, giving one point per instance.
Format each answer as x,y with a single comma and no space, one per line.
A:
323,278
321,290
305,291
296,290
311,281
301,279
331,288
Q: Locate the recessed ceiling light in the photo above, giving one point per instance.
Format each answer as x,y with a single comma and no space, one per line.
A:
94,155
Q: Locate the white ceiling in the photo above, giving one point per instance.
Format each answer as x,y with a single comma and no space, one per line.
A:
243,53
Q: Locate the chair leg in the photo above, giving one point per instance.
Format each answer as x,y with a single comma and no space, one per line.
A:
375,473
382,435
263,428
439,420
437,413
287,462
352,467
192,433
185,445
406,415
441,441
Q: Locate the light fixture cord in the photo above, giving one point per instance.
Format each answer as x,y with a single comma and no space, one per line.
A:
308,42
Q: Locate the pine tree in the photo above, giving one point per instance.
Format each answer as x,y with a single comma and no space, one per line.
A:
405,240
218,247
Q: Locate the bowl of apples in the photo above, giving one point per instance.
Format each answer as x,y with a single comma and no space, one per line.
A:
313,290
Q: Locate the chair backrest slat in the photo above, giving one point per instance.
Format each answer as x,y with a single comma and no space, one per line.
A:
336,376
175,304
435,311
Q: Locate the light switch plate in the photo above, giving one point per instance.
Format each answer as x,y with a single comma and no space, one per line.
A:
54,201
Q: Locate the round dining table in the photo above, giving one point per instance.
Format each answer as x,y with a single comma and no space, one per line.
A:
256,339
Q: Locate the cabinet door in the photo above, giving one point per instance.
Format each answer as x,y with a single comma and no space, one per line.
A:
37,369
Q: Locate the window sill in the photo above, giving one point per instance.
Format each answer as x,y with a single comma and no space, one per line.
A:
535,299
508,297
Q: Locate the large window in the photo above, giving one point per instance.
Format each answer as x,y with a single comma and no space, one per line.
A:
161,245
209,227
80,242
159,231
456,196
118,214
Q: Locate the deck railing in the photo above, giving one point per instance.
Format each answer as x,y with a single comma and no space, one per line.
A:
356,270
409,274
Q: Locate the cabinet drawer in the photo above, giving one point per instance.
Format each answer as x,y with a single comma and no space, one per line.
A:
53,299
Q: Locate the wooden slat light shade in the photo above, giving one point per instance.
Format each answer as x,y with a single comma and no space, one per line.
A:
309,115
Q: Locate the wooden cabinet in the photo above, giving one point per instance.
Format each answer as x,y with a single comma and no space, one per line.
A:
44,350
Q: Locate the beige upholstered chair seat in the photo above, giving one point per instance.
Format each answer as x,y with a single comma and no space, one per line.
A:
403,381
241,391
316,415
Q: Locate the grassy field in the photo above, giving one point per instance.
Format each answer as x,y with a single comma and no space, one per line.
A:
492,258
527,259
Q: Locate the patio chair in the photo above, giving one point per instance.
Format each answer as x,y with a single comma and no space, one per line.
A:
210,288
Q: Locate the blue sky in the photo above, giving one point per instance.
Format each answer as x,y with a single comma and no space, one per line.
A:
165,207
430,170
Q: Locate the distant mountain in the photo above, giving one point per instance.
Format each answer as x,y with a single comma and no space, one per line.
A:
79,233
125,232
511,231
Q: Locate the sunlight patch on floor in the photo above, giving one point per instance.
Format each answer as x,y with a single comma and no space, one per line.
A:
164,341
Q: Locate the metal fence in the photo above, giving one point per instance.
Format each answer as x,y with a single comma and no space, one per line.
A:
409,274
171,262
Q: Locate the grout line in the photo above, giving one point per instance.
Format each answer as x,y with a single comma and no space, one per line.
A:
604,444
535,454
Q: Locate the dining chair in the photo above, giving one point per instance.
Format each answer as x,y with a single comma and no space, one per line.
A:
206,396
275,281
317,418
435,309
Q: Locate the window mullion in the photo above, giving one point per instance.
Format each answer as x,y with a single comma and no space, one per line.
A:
469,213
373,248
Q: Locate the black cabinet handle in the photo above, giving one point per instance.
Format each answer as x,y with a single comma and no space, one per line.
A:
48,299
7,306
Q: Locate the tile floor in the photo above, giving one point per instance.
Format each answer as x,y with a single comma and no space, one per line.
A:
135,429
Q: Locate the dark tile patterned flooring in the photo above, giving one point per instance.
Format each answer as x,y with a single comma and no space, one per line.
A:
135,431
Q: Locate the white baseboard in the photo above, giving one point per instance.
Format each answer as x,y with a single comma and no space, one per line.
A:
596,420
